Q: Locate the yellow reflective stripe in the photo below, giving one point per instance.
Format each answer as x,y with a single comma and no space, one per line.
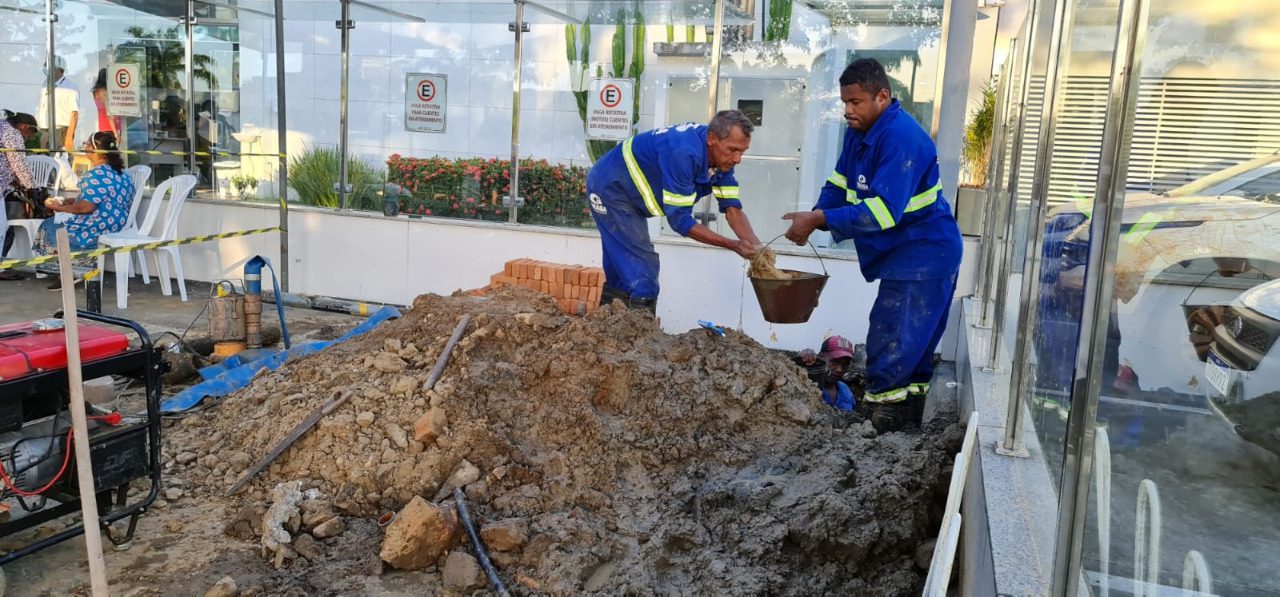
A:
924,199
881,212
1085,205
637,177
839,180
852,197
890,396
725,192
679,200
1142,227
918,388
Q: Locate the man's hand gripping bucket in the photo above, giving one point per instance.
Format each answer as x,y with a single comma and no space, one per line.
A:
792,300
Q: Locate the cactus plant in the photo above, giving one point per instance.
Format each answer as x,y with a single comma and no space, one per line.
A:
578,52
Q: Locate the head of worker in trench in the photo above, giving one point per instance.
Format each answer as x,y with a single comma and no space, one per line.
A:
864,90
728,138
837,351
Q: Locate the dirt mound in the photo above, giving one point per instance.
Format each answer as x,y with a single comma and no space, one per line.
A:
641,462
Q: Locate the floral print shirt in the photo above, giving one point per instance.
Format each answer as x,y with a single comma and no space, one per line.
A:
112,193
13,165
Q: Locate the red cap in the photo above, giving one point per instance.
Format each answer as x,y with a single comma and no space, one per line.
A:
836,347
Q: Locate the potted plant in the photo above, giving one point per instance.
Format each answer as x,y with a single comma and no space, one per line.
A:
243,185
976,157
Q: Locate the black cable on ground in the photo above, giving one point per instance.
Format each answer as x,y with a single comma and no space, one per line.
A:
481,554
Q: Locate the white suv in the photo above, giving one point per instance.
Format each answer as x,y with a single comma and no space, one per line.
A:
1242,369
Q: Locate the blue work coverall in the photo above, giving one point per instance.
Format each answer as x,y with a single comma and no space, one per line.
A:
662,172
885,194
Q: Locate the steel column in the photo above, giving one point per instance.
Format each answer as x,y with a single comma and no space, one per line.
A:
999,132
189,26
51,110
282,130
996,174
1104,234
1001,266
1055,79
345,25
514,209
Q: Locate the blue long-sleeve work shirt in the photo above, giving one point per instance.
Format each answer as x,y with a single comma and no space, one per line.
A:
885,194
664,172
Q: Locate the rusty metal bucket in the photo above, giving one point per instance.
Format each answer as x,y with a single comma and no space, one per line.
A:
790,301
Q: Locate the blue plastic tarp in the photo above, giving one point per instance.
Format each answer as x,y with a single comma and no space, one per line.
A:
236,372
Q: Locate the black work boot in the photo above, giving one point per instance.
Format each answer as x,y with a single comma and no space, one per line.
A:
886,417
648,304
608,293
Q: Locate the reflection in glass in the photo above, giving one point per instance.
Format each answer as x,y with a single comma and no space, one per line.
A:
1191,399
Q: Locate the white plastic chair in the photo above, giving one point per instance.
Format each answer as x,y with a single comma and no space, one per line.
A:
139,175
177,190
46,171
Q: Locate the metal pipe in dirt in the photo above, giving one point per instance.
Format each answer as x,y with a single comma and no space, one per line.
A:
481,554
443,359
325,303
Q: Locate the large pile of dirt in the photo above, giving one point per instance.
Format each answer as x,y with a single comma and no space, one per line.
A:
641,461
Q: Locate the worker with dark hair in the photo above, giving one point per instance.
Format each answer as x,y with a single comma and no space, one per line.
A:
885,194
664,172
15,173
103,207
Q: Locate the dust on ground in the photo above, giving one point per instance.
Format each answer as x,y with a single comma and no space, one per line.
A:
641,462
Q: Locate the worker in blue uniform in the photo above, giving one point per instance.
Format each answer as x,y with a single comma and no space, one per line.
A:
885,194
664,172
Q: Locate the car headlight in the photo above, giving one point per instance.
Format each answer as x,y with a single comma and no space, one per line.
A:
1235,325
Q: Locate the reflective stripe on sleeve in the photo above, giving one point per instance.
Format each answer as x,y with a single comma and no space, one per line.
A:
725,192
637,177
881,212
924,199
839,180
679,200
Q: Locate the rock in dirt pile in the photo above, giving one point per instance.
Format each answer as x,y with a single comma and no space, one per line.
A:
600,453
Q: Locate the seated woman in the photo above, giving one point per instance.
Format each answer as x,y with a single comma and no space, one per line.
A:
103,207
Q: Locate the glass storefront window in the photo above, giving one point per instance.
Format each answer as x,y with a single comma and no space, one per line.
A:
1065,252
787,81
1190,401
227,110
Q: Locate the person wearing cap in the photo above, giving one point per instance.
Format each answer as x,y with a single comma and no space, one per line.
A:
837,351
14,172
885,194
663,173
66,106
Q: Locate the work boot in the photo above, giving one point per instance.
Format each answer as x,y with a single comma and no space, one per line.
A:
648,304
886,417
915,407
608,293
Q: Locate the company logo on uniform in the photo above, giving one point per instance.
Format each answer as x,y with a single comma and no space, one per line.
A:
597,205
862,183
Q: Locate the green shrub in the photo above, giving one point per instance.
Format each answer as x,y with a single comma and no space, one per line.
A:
314,172
474,187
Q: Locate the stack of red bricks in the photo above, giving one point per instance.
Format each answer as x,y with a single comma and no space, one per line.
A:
575,288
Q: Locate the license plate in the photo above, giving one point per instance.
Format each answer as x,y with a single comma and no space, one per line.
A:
1218,374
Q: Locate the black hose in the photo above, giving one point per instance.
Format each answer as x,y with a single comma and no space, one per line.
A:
481,554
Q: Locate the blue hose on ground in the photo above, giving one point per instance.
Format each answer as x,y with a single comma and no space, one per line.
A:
236,372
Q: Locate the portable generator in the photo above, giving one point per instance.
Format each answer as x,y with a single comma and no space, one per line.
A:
36,454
